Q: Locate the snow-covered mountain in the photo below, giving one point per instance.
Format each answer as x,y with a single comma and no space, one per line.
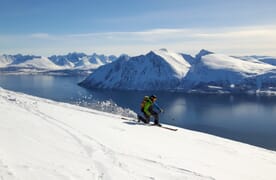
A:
37,63
43,139
159,69
29,62
206,72
9,60
229,73
82,61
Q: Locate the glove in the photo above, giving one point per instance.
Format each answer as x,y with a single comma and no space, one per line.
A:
161,110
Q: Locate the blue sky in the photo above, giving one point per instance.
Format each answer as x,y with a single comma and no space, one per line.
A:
127,26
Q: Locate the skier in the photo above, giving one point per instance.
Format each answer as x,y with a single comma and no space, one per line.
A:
148,107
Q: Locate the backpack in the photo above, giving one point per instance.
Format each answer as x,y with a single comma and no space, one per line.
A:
145,99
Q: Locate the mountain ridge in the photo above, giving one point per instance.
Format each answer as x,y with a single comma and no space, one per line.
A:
165,70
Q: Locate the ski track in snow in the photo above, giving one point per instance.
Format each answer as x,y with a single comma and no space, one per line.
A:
96,152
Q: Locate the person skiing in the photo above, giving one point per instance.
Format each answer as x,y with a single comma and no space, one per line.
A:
148,107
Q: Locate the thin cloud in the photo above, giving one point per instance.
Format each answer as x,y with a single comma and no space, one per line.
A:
40,36
159,34
239,40
251,32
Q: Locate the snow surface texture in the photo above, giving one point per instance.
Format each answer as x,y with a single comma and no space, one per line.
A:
207,72
43,139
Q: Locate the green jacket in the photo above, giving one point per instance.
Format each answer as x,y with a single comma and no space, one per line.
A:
148,104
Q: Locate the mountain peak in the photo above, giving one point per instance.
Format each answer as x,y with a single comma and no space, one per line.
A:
158,51
203,52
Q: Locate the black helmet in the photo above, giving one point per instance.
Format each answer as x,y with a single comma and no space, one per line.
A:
153,97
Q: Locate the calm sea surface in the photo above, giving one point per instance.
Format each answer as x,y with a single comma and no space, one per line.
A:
246,118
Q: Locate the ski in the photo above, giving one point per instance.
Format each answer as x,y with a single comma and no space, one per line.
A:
168,128
129,119
164,127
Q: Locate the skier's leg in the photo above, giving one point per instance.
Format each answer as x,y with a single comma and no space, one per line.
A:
145,119
139,117
156,117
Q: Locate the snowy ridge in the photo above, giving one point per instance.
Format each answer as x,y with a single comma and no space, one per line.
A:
43,139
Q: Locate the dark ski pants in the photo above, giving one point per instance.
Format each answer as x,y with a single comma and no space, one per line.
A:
146,118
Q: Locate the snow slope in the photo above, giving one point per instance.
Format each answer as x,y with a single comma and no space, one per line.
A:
43,139
158,69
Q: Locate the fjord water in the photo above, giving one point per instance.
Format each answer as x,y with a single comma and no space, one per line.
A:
246,118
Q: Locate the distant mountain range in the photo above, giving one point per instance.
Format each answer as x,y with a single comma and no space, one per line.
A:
70,62
168,71
81,60
157,70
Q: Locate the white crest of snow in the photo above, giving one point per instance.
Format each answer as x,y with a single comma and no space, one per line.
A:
43,139
175,60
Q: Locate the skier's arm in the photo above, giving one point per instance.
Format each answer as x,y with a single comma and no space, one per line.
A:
157,106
